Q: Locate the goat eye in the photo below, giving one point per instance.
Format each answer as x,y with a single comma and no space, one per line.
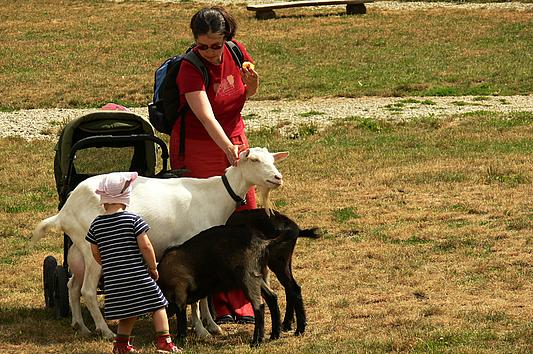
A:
253,159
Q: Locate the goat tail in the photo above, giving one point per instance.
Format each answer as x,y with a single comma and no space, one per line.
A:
315,232
45,225
284,236
292,234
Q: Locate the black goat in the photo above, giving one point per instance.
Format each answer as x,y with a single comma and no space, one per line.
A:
218,259
280,257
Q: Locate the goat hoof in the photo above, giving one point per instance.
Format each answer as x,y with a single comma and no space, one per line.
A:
299,332
286,327
202,333
105,333
84,331
216,330
274,336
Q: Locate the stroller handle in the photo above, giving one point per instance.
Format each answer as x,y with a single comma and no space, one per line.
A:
103,140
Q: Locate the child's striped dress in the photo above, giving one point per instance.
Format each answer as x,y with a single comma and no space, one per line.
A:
128,288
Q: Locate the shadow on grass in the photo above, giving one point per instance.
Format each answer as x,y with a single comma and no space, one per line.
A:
34,325
42,327
281,15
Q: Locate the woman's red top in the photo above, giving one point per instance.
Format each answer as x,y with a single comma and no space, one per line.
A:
226,93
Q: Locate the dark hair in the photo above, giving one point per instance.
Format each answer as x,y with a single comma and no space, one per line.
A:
213,19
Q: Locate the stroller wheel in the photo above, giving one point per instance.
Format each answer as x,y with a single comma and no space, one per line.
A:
49,267
61,292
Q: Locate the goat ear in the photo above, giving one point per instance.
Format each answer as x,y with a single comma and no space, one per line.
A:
279,156
244,154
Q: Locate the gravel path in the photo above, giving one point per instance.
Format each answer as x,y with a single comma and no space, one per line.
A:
288,115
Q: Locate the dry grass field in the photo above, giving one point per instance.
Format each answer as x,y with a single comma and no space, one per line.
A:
427,247
428,223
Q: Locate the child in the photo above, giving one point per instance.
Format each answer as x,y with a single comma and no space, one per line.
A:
120,245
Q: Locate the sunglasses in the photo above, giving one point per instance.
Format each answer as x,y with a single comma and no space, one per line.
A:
206,47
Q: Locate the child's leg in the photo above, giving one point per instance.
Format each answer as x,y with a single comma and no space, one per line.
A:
125,326
163,341
122,340
160,321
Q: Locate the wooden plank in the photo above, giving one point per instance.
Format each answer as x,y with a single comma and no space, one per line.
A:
283,5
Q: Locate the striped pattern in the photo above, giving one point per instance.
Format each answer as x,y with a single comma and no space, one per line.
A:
129,290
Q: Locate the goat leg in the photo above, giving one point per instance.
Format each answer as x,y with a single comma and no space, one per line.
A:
295,304
301,320
88,291
196,320
288,319
259,329
181,323
77,266
210,325
272,301
293,294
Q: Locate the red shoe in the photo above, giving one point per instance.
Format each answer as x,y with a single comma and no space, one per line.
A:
123,346
164,344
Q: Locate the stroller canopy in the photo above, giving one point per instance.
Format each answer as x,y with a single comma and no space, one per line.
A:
105,124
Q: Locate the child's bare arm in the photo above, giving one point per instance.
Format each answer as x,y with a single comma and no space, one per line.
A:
96,253
148,254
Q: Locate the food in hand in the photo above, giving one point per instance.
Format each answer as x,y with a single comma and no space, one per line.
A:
248,66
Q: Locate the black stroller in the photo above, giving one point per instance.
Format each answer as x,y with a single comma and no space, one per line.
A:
96,143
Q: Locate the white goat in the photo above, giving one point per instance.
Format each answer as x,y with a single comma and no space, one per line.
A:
176,209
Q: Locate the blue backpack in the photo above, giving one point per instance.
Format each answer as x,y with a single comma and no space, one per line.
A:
164,110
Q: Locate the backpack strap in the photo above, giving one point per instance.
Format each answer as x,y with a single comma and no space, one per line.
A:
192,58
236,53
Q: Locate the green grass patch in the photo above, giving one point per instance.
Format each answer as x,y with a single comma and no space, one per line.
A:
426,102
413,240
439,342
370,124
32,201
311,114
513,119
344,214
409,100
307,130
460,103
51,59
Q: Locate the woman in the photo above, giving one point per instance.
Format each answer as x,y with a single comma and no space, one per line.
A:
214,128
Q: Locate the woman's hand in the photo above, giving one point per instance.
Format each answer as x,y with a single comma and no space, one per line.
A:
250,78
232,153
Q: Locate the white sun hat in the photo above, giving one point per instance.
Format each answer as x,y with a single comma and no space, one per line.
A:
116,187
